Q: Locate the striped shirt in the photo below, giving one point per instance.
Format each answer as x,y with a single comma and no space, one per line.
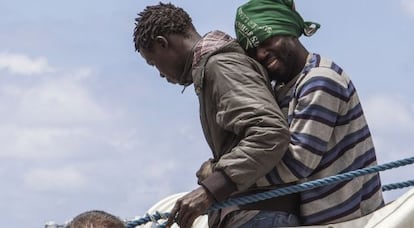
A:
329,135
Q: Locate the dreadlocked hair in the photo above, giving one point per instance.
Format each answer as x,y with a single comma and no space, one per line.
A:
160,20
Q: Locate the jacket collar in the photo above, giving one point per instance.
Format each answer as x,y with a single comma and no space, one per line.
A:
211,43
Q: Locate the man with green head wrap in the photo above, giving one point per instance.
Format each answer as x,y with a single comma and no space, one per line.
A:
329,133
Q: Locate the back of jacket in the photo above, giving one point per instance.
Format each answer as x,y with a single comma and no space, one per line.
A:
242,124
241,120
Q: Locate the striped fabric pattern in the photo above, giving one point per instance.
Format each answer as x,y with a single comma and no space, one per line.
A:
329,135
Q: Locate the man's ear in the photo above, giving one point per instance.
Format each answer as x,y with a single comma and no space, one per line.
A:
162,41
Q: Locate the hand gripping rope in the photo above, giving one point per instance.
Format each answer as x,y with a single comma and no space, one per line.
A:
293,189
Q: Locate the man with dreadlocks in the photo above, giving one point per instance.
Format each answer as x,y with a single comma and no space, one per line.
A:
328,130
241,120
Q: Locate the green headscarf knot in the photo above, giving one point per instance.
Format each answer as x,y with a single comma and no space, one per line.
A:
258,20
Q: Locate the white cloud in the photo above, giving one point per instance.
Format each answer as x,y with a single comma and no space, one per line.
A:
158,171
27,142
52,116
408,6
58,101
59,179
390,113
391,120
22,64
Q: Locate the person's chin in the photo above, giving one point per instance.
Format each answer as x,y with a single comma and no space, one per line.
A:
274,74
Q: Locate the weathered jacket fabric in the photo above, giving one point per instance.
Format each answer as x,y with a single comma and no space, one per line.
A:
241,120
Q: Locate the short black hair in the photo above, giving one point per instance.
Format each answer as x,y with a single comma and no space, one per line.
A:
160,20
96,218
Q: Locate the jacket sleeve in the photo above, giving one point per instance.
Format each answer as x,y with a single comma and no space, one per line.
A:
247,108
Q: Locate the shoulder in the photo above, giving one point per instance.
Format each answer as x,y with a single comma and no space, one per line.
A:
234,63
231,53
327,71
233,58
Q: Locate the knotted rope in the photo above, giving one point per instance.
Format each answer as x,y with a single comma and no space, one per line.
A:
148,218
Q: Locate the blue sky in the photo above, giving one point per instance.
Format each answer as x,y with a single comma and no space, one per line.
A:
86,124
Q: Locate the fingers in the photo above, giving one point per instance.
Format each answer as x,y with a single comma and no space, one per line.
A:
187,221
173,214
182,214
189,207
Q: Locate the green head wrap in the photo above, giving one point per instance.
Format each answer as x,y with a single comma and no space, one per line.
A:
258,20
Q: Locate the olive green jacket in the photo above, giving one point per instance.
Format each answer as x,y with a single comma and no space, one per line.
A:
241,120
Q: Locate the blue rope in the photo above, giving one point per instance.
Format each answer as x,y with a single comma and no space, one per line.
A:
309,185
387,187
397,185
148,218
296,188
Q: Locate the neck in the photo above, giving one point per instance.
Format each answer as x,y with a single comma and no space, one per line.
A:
189,43
186,48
